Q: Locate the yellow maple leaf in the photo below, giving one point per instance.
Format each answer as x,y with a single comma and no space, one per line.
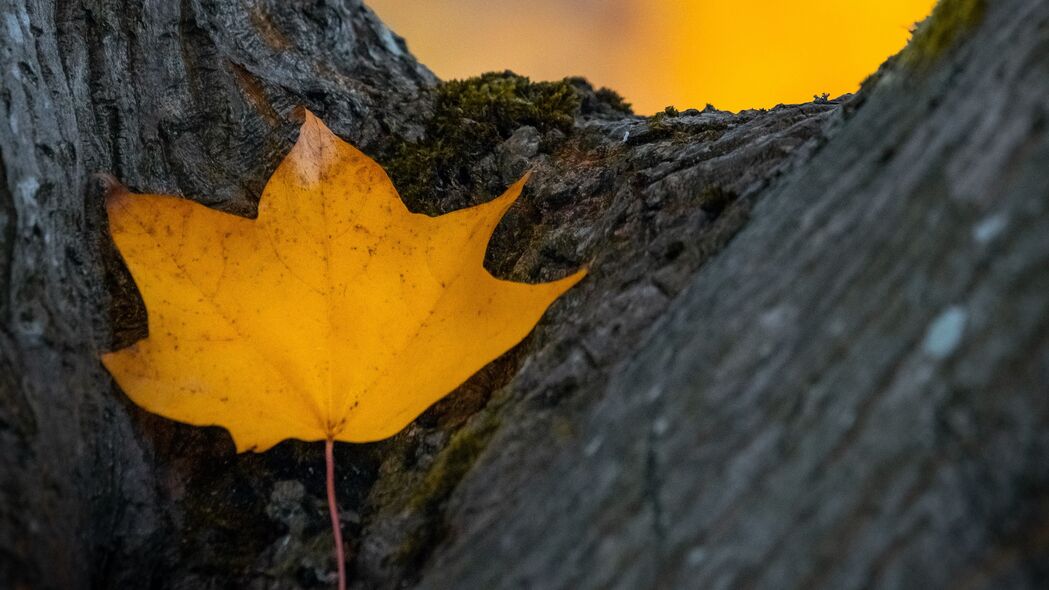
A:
337,314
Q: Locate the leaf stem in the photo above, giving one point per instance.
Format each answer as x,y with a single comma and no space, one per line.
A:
333,510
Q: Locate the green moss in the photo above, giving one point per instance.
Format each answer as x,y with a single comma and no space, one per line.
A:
659,126
454,461
471,117
447,471
938,33
614,100
600,102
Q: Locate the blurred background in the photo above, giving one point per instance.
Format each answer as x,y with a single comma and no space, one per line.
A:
733,54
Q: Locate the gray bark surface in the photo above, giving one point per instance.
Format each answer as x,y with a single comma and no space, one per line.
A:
813,349
853,394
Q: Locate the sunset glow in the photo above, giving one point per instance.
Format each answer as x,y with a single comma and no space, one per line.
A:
686,53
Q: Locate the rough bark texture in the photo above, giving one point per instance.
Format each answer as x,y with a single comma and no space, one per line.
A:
813,350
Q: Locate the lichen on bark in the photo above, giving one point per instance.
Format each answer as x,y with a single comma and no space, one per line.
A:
949,21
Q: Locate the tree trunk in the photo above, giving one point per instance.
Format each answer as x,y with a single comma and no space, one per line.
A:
813,349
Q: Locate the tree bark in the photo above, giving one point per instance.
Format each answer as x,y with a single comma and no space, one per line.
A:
813,349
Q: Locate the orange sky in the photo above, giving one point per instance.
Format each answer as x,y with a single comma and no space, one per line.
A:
734,54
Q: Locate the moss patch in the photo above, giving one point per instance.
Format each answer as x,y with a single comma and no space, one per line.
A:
949,20
447,471
472,117
453,462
